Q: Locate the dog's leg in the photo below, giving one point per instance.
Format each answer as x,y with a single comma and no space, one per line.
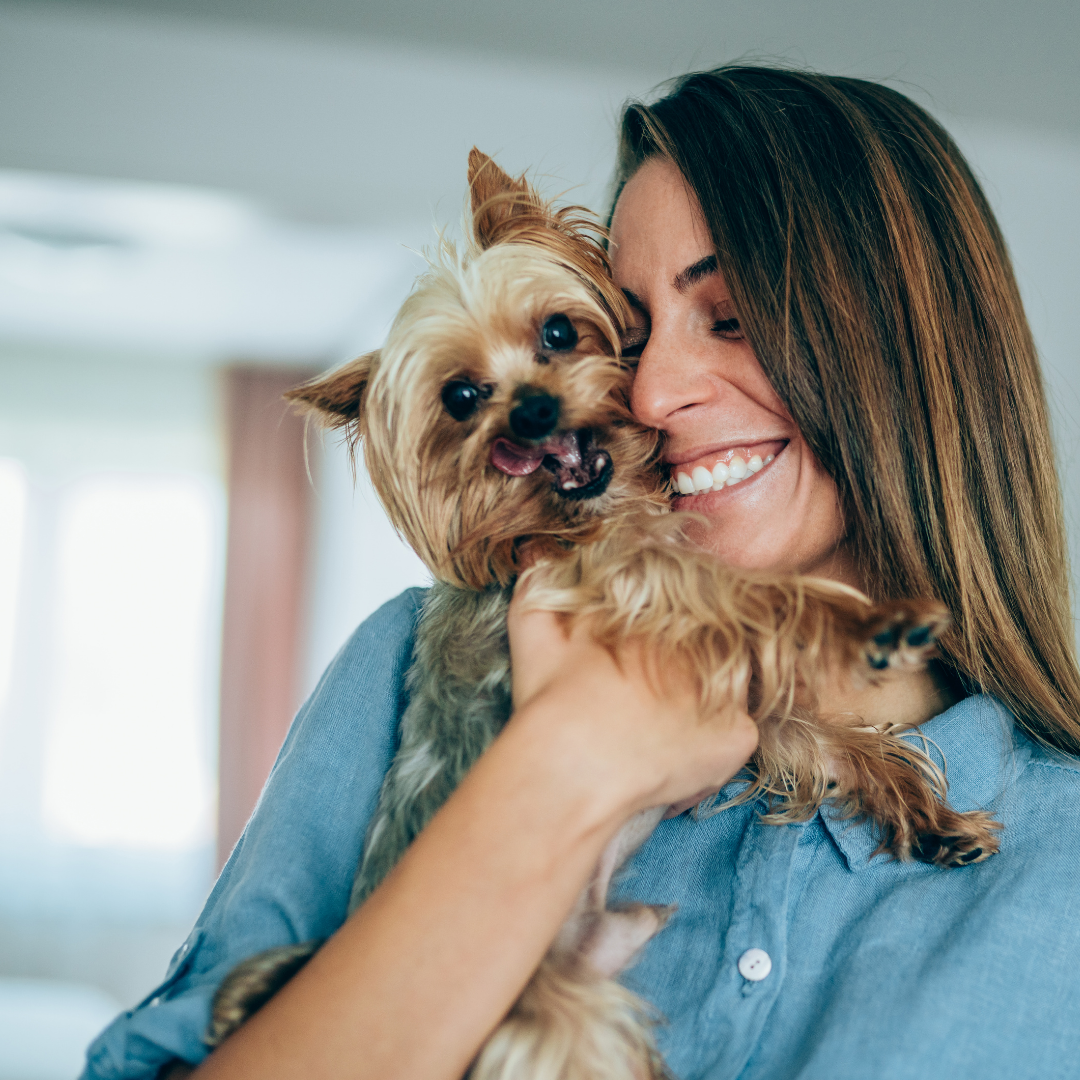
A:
570,1026
459,700
250,985
573,1021
891,781
879,775
607,939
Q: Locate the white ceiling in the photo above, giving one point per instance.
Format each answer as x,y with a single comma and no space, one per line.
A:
991,59
338,131
362,111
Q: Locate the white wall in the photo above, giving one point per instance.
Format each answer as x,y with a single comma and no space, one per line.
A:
1033,183
349,132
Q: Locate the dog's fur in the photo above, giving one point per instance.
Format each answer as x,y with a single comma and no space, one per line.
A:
604,550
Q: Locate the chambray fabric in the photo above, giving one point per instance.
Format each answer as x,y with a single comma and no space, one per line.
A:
880,970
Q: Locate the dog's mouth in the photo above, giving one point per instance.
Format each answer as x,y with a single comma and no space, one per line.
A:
581,469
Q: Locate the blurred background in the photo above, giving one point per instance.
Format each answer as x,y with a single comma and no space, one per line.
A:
202,202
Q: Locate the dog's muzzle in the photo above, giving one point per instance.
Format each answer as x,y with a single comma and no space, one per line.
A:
581,469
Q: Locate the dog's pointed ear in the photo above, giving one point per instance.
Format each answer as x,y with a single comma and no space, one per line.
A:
337,398
496,198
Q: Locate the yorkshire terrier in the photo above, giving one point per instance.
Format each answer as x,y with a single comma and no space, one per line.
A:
496,429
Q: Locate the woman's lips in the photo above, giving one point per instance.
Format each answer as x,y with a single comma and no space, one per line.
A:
723,468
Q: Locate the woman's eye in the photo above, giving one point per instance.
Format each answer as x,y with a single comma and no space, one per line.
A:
633,347
460,398
728,328
558,334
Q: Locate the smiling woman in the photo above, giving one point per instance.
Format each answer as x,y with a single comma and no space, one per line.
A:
829,337
813,262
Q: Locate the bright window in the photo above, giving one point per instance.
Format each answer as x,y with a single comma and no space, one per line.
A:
126,760
12,527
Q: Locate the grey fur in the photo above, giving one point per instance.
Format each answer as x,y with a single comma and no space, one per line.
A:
459,700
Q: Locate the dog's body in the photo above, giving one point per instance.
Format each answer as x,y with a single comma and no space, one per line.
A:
497,434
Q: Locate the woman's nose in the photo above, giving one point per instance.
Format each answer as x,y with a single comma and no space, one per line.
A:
667,381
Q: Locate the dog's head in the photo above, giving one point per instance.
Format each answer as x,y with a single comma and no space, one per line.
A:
495,418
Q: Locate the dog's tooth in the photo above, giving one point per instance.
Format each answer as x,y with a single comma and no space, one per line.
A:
702,479
686,485
568,484
737,467
755,463
720,472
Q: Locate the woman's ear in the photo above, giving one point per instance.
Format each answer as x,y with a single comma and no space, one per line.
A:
337,398
496,198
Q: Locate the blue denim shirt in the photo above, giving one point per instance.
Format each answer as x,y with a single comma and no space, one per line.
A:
880,969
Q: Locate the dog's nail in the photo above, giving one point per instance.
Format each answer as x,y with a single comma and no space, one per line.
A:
919,636
972,855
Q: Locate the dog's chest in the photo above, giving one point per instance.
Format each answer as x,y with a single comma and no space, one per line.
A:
459,684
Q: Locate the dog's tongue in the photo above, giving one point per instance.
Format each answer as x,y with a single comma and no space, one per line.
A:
516,460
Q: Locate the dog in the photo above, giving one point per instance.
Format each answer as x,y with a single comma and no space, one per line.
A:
496,427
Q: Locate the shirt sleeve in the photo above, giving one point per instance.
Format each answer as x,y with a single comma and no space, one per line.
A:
289,876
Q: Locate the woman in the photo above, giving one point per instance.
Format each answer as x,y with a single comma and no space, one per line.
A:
815,270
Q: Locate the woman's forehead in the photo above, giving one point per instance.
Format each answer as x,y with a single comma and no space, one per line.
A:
657,230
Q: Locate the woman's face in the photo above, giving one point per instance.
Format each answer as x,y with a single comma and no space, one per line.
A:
770,504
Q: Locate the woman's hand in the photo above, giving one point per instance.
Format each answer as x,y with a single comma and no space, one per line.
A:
637,739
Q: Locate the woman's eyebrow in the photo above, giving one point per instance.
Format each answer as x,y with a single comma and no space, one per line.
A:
703,268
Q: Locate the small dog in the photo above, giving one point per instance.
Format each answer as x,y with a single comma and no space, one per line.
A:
496,428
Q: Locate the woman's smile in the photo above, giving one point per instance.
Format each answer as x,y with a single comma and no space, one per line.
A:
720,469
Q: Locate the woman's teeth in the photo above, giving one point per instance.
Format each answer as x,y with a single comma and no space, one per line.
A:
722,475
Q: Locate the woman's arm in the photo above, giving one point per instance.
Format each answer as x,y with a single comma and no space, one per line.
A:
415,981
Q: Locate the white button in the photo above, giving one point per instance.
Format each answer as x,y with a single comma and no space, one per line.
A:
755,964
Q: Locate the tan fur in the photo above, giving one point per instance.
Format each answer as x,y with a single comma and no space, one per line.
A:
616,559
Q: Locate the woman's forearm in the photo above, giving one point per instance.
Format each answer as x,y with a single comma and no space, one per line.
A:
414,982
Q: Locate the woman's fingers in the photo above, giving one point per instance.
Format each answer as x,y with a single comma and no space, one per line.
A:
641,739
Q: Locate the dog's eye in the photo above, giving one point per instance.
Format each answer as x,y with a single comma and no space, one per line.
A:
461,399
558,334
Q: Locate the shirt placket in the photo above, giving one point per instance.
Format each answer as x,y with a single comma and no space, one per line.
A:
754,949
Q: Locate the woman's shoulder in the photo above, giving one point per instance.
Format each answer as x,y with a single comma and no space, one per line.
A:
375,656
350,720
328,774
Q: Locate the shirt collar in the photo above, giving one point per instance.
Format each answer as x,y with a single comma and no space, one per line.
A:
975,743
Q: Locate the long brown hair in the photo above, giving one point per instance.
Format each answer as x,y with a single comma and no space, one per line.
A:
877,292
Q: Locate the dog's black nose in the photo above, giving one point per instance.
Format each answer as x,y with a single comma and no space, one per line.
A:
535,417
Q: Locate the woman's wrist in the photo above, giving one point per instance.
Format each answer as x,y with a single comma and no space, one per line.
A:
551,754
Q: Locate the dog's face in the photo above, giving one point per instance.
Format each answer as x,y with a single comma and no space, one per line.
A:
495,419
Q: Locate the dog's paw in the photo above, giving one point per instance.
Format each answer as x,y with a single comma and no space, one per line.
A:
251,984
904,635
970,838
619,934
